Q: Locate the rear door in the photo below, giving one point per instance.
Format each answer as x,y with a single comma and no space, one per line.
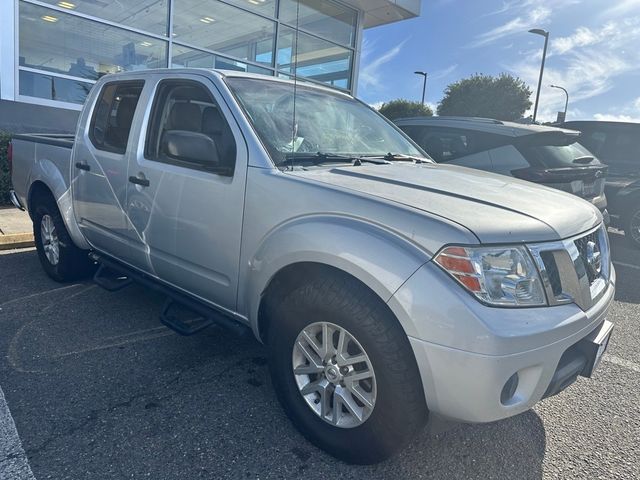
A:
99,170
185,216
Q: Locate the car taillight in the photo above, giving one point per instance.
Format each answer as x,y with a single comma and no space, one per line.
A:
10,157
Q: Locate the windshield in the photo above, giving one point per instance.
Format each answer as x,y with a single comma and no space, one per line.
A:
325,122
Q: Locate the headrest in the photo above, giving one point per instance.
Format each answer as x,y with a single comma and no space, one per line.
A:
212,121
126,109
185,116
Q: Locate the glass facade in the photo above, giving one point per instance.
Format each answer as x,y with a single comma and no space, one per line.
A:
65,46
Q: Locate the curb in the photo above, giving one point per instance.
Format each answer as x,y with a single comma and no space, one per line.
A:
16,240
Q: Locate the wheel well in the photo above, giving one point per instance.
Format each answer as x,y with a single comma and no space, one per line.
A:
38,190
288,278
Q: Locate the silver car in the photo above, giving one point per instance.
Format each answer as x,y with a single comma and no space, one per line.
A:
387,287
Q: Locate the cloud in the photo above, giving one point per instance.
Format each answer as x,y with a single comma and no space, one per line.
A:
588,62
622,7
583,37
445,72
608,117
535,17
370,72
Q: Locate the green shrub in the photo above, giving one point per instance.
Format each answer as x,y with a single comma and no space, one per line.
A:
5,177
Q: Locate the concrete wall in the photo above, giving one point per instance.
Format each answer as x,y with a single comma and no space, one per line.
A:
19,117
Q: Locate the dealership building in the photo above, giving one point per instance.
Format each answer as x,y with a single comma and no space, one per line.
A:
52,52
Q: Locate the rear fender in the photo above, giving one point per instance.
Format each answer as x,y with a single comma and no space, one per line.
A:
46,172
379,258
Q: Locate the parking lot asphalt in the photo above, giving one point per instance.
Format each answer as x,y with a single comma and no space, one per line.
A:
98,389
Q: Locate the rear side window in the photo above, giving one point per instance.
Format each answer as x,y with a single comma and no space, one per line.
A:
445,144
113,115
557,156
188,129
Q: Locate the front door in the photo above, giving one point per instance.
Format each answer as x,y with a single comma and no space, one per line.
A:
99,170
184,206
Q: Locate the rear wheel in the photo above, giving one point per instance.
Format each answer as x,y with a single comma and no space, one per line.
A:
344,370
632,226
60,258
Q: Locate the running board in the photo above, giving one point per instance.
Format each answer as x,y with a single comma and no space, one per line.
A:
181,312
111,279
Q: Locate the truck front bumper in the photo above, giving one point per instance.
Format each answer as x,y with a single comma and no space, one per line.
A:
522,361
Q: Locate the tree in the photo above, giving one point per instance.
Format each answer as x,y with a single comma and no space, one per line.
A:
401,108
504,97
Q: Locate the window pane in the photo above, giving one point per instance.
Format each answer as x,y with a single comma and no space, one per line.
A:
189,57
216,26
327,19
113,115
186,112
264,7
63,43
148,15
53,88
317,59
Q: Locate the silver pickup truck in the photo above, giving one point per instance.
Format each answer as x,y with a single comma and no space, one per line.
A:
386,287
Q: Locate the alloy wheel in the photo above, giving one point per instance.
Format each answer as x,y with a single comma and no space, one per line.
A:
50,242
334,374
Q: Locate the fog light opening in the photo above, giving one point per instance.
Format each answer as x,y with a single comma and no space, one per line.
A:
509,389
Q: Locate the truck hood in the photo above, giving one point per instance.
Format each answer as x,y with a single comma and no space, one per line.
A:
496,208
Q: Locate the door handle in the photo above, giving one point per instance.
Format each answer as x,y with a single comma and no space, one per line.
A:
83,166
139,181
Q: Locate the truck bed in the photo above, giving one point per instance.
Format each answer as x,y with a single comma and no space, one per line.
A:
58,139
41,157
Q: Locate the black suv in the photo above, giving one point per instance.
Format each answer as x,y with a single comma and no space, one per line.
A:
545,155
618,145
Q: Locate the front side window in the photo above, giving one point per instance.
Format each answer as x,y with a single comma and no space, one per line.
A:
188,129
324,121
113,115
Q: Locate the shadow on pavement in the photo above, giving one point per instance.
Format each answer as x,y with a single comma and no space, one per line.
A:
99,389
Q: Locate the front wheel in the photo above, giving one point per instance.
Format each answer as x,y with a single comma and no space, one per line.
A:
344,371
632,226
60,258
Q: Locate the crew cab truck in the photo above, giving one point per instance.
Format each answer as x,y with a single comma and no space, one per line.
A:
387,287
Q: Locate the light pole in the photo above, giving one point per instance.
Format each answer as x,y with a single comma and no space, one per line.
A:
424,84
545,34
566,103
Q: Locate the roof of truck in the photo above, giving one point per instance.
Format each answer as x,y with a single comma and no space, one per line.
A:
487,125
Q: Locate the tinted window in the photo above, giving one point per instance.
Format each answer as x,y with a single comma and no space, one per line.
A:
557,156
185,109
613,144
111,123
445,144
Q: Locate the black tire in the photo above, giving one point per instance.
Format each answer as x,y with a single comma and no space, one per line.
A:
73,263
400,409
631,226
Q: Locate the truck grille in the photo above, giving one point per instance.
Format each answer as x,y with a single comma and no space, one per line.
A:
582,244
575,270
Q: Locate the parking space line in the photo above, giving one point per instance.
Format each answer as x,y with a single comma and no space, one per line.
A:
621,362
33,295
116,344
627,265
14,464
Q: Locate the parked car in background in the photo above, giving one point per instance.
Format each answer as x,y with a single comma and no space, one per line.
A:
545,155
618,145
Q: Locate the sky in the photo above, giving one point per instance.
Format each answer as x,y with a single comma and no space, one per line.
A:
594,52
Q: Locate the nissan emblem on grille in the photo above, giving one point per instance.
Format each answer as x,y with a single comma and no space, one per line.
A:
594,258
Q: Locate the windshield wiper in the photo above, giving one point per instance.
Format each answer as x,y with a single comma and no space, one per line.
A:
325,157
399,157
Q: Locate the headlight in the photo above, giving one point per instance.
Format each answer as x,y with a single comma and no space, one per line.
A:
500,276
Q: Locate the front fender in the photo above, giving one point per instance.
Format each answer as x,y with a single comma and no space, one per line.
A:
380,258
47,172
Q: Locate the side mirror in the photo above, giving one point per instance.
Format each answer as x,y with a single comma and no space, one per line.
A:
190,147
